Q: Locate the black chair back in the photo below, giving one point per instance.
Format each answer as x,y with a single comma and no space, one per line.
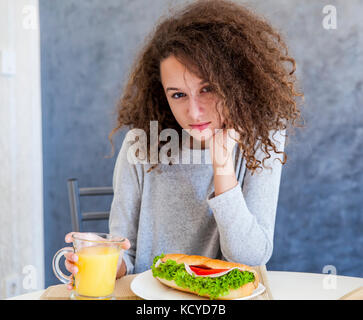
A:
74,195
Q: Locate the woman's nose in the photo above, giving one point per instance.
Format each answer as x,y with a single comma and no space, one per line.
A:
195,109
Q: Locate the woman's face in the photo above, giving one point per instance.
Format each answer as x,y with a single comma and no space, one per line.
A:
191,100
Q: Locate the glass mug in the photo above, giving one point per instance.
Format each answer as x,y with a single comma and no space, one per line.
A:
98,256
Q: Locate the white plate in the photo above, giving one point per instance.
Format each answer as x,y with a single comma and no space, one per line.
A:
147,287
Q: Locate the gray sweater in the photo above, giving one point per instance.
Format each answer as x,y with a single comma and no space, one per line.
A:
172,209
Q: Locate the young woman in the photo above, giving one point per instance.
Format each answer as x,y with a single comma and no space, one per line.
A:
223,75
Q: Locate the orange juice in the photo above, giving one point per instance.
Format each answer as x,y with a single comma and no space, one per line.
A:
97,267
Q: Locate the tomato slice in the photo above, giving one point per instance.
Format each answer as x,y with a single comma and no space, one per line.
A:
202,271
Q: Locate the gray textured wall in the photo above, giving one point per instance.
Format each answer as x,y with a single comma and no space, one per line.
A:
87,47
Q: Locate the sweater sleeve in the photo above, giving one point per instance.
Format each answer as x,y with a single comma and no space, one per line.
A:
246,216
125,207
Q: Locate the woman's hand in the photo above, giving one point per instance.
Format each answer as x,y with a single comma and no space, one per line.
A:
72,258
221,146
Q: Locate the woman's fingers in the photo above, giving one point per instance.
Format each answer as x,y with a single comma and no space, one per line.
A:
71,267
70,264
70,284
71,256
126,244
69,238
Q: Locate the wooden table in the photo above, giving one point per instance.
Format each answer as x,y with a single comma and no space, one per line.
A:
288,286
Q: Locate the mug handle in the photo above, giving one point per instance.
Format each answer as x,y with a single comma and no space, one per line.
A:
57,271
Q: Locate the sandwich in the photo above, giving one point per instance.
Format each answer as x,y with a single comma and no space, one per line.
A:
211,278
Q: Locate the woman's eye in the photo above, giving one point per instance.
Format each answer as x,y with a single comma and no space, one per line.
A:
179,95
208,89
174,96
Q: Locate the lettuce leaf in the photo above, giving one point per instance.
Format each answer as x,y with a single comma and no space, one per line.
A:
214,287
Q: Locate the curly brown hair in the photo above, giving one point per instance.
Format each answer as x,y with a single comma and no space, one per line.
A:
240,54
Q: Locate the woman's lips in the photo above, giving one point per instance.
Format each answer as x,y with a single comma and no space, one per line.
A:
201,126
